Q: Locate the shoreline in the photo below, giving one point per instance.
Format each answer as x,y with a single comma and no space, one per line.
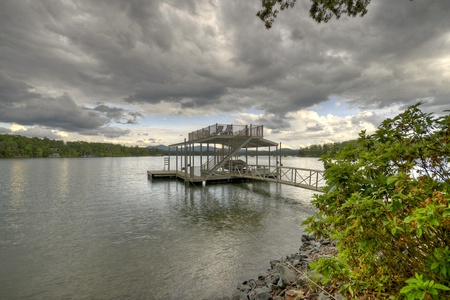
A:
289,278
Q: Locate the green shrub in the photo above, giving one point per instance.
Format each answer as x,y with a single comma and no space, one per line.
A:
387,203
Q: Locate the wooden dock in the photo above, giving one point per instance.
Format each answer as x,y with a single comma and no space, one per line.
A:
218,147
299,177
192,179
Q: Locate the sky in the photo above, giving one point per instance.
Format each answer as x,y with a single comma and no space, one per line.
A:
148,72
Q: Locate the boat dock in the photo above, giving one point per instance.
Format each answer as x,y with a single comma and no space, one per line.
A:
218,149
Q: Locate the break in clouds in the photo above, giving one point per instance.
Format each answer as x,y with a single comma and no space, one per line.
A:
101,67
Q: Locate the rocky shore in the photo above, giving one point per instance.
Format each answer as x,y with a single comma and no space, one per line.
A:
289,278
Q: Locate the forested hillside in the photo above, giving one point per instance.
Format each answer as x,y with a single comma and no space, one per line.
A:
319,150
20,146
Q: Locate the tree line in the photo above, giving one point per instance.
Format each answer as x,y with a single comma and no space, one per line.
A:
19,146
319,150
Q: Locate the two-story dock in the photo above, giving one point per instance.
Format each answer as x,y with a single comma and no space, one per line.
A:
220,152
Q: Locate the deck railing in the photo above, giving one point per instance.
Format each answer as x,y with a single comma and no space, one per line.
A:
226,129
288,175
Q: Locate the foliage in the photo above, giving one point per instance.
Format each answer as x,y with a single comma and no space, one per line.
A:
319,150
387,204
419,288
321,10
20,146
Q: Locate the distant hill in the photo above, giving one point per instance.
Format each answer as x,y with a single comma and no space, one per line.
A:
159,147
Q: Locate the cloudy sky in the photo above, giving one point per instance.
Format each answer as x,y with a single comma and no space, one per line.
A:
147,72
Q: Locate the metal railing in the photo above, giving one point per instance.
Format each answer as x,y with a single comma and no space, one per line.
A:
226,129
301,177
226,152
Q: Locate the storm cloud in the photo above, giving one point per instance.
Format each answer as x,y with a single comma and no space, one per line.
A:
81,66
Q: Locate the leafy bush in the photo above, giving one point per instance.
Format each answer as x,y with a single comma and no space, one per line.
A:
387,204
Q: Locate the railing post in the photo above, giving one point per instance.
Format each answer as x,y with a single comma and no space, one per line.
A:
317,180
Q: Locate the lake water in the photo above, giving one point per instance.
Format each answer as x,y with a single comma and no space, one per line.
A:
97,228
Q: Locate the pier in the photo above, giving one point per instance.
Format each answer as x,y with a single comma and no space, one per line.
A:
220,153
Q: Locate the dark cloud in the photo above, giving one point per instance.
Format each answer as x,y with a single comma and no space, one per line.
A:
118,114
19,103
4,130
315,128
106,131
58,58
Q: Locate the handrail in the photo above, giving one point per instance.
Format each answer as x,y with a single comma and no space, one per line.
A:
226,129
221,152
234,145
288,175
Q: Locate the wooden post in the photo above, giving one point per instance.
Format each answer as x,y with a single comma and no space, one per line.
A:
281,164
168,166
185,161
207,157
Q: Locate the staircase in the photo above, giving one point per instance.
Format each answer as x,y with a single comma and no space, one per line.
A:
218,160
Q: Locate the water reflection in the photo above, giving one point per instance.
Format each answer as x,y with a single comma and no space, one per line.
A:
17,183
221,207
97,229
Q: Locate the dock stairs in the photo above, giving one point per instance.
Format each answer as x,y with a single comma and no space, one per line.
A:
223,156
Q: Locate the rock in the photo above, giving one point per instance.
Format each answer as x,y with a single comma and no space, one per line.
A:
252,284
286,275
273,263
324,296
294,294
338,296
272,279
276,279
302,281
243,287
307,237
262,293
260,283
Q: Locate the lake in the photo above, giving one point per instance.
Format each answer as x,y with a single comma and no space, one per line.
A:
97,228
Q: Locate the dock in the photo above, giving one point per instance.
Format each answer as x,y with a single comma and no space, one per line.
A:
217,149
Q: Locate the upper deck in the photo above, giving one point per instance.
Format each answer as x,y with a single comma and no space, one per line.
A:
223,133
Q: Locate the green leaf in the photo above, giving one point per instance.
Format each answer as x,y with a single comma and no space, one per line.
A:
433,292
409,219
419,231
411,280
406,289
441,287
446,212
434,221
391,179
434,265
